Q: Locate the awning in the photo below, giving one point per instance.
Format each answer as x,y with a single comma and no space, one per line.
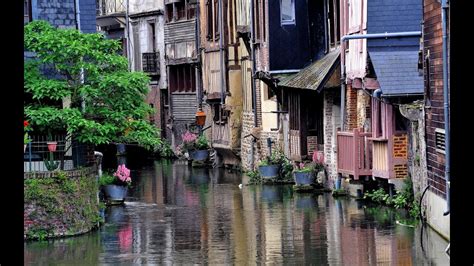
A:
397,70
316,75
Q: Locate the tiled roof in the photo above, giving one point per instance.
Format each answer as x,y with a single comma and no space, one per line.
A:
314,76
397,70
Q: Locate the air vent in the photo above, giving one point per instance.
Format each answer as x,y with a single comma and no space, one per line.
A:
440,141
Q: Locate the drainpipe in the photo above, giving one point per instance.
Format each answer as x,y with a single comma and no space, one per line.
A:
127,30
198,50
366,36
221,49
447,170
252,47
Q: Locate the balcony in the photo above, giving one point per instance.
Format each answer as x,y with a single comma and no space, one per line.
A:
109,7
354,153
151,63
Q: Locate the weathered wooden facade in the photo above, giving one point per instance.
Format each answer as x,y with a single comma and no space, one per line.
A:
146,52
379,74
308,88
221,76
180,37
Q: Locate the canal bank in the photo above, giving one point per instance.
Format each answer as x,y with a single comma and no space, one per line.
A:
183,215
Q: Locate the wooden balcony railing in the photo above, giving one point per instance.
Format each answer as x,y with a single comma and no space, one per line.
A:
151,63
107,7
354,153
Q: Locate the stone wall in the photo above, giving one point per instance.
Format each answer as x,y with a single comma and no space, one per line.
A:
331,122
60,203
61,13
246,143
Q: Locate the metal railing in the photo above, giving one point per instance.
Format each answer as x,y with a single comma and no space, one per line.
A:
68,154
107,7
150,62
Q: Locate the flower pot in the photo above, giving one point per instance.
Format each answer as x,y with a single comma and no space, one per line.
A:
200,155
115,193
303,178
269,171
52,145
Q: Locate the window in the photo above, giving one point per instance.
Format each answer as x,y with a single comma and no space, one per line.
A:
257,25
152,37
287,12
333,18
27,11
212,20
177,11
182,78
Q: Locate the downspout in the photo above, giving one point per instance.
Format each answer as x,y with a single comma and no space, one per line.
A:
221,50
365,36
252,46
78,26
198,50
447,170
127,30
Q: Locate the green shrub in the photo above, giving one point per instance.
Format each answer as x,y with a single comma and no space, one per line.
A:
106,179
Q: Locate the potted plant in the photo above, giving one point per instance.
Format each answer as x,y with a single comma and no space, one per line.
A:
188,145
303,174
269,167
201,152
116,186
26,137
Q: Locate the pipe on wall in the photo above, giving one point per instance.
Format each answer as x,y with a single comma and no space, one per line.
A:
252,47
447,168
221,49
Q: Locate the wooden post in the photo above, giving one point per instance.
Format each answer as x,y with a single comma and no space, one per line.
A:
355,158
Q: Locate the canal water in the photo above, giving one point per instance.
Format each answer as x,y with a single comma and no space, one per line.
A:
176,214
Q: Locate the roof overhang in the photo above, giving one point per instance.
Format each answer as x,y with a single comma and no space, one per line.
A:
320,74
110,20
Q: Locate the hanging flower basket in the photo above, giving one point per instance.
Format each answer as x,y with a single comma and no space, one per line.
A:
52,145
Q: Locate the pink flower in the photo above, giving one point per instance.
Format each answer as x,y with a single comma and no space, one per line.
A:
301,165
123,174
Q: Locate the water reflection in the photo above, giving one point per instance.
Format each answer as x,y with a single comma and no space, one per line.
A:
181,215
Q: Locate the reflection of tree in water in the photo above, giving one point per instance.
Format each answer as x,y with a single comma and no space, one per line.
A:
81,250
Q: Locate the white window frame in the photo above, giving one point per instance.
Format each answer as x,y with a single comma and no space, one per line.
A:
288,22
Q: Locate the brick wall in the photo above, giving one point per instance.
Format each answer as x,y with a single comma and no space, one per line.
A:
432,32
363,111
400,146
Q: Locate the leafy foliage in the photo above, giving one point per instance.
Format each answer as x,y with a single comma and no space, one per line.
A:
202,143
85,68
403,199
50,163
164,150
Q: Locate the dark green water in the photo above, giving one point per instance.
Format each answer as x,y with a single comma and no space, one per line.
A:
176,214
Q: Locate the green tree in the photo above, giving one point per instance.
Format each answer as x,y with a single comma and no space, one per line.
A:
107,102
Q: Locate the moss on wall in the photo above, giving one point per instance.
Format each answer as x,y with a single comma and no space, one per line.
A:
60,204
